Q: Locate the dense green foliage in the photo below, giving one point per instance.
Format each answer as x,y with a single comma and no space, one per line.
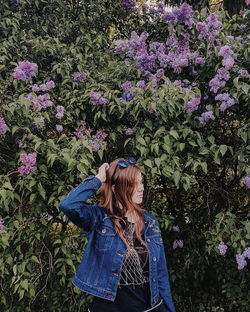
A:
194,173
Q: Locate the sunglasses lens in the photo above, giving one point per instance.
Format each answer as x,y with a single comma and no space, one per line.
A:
131,160
123,163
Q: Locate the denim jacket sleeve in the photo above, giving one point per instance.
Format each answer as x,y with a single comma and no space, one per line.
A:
75,207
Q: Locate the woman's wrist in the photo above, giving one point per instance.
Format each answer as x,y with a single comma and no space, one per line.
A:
100,178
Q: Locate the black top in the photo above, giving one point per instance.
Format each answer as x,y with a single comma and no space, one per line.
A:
132,298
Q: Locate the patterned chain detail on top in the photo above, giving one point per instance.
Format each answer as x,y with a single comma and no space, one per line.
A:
132,268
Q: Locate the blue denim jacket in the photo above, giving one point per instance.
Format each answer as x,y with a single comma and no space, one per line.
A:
100,268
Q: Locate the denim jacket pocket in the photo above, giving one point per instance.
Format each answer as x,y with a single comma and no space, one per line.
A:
104,237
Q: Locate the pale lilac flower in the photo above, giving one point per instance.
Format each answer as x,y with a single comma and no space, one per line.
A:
228,62
3,126
95,147
223,74
225,51
50,84
29,160
141,84
2,227
205,117
130,5
192,105
176,228
35,88
79,77
240,261
178,243
222,248
243,73
200,61
175,244
230,38
126,86
103,101
242,26
43,87
246,253
222,97
247,2
25,70
130,131
215,84
59,115
246,181
41,122
59,128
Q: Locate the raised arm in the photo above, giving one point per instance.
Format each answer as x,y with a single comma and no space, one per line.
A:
74,204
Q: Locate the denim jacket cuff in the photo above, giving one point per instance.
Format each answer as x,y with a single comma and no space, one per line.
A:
94,181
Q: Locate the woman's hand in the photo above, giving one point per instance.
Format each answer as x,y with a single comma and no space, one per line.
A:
101,175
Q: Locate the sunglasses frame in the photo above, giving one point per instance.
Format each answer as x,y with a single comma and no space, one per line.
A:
124,163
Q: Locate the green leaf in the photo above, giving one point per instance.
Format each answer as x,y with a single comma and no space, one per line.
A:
174,134
148,163
223,149
25,284
142,141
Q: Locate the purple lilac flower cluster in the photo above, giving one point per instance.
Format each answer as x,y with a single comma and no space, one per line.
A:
59,128
29,160
130,5
97,99
175,228
94,141
59,111
177,243
226,101
241,258
203,119
243,73
2,227
43,87
210,29
181,15
129,92
40,102
219,81
3,126
222,248
226,52
247,2
25,70
130,131
79,77
16,2
246,181
192,105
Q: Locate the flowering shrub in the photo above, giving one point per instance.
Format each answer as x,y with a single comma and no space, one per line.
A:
168,88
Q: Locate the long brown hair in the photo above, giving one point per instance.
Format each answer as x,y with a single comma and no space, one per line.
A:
118,201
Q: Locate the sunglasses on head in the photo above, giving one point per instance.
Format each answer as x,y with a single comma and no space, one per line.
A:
126,162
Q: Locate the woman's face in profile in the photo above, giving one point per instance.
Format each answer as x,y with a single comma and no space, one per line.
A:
137,196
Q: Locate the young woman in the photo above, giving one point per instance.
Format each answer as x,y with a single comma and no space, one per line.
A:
124,265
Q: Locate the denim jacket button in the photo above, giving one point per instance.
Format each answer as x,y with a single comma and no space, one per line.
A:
148,239
154,258
103,231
